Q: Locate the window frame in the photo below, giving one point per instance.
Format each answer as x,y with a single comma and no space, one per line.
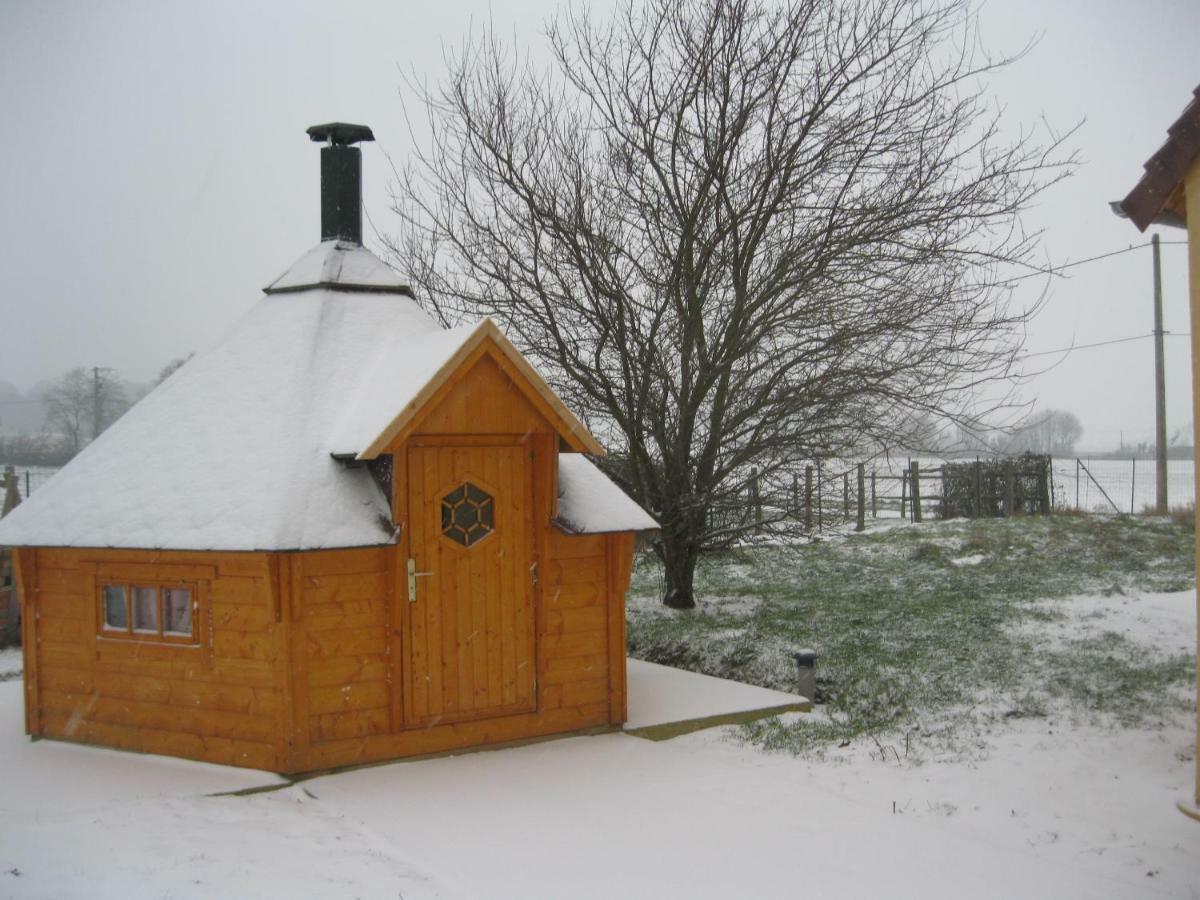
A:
160,636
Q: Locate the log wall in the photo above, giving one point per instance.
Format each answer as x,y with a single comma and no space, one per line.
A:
300,658
218,701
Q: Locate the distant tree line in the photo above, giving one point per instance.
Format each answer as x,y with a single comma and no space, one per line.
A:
75,408
34,450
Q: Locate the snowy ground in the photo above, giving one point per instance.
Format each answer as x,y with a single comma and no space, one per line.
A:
11,663
1053,809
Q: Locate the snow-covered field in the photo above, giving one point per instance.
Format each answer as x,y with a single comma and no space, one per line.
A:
1054,808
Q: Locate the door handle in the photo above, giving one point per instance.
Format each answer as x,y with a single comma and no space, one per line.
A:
413,575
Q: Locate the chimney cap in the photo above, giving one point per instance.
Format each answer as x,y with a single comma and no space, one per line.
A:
340,134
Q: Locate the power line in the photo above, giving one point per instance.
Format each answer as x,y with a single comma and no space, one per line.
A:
1055,270
1124,340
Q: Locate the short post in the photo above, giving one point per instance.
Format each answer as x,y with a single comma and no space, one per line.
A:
861,525
26,482
1010,489
806,674
916,491
978,511
903,492
874,498
808,488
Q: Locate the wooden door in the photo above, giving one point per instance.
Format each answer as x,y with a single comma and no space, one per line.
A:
471,621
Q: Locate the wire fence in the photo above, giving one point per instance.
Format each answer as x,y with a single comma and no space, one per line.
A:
835,494
1121,485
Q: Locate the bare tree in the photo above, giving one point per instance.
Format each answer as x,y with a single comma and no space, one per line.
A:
1053,431
735,235
82,403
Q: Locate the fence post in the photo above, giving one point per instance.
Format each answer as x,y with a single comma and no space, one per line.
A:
862,498
874,498
755,500
1046,481
916,491
9,496
1077,483
1010,489
820,511
808,484
846,494
942,472
978,506
26,482
903,492
1132,485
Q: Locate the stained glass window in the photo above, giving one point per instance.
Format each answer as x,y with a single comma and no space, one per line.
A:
467,514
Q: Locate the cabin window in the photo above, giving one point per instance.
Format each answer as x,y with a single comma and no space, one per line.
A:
467,514
147,611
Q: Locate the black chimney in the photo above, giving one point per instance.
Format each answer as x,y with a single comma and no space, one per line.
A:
341,180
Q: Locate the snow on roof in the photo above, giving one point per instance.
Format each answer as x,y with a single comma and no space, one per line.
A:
589,503
403,361
338,265
234,450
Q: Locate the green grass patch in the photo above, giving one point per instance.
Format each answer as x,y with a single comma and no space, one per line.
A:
925,633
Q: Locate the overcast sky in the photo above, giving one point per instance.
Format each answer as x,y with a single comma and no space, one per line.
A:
156,172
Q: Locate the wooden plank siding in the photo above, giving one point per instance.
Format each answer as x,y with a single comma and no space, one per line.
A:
342,645
218,700
579,610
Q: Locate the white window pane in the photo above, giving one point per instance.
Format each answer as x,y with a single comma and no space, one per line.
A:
115,617
145,609
177,611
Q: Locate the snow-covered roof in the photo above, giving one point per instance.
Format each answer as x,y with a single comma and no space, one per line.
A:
589,503
235,450
339,265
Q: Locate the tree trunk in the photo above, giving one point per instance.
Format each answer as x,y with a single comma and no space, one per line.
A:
679,571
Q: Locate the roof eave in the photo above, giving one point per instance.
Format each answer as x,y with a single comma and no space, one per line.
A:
567,527
339,286
1155,199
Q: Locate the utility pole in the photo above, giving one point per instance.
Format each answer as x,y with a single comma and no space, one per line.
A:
1160,390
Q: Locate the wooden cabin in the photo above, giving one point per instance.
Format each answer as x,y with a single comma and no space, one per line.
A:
345,534
1165,194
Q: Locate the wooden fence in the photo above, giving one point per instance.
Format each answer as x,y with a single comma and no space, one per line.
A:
823,496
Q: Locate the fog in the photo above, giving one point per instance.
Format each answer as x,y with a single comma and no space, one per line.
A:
157,174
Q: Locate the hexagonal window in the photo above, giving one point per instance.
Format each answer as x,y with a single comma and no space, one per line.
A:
467,514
